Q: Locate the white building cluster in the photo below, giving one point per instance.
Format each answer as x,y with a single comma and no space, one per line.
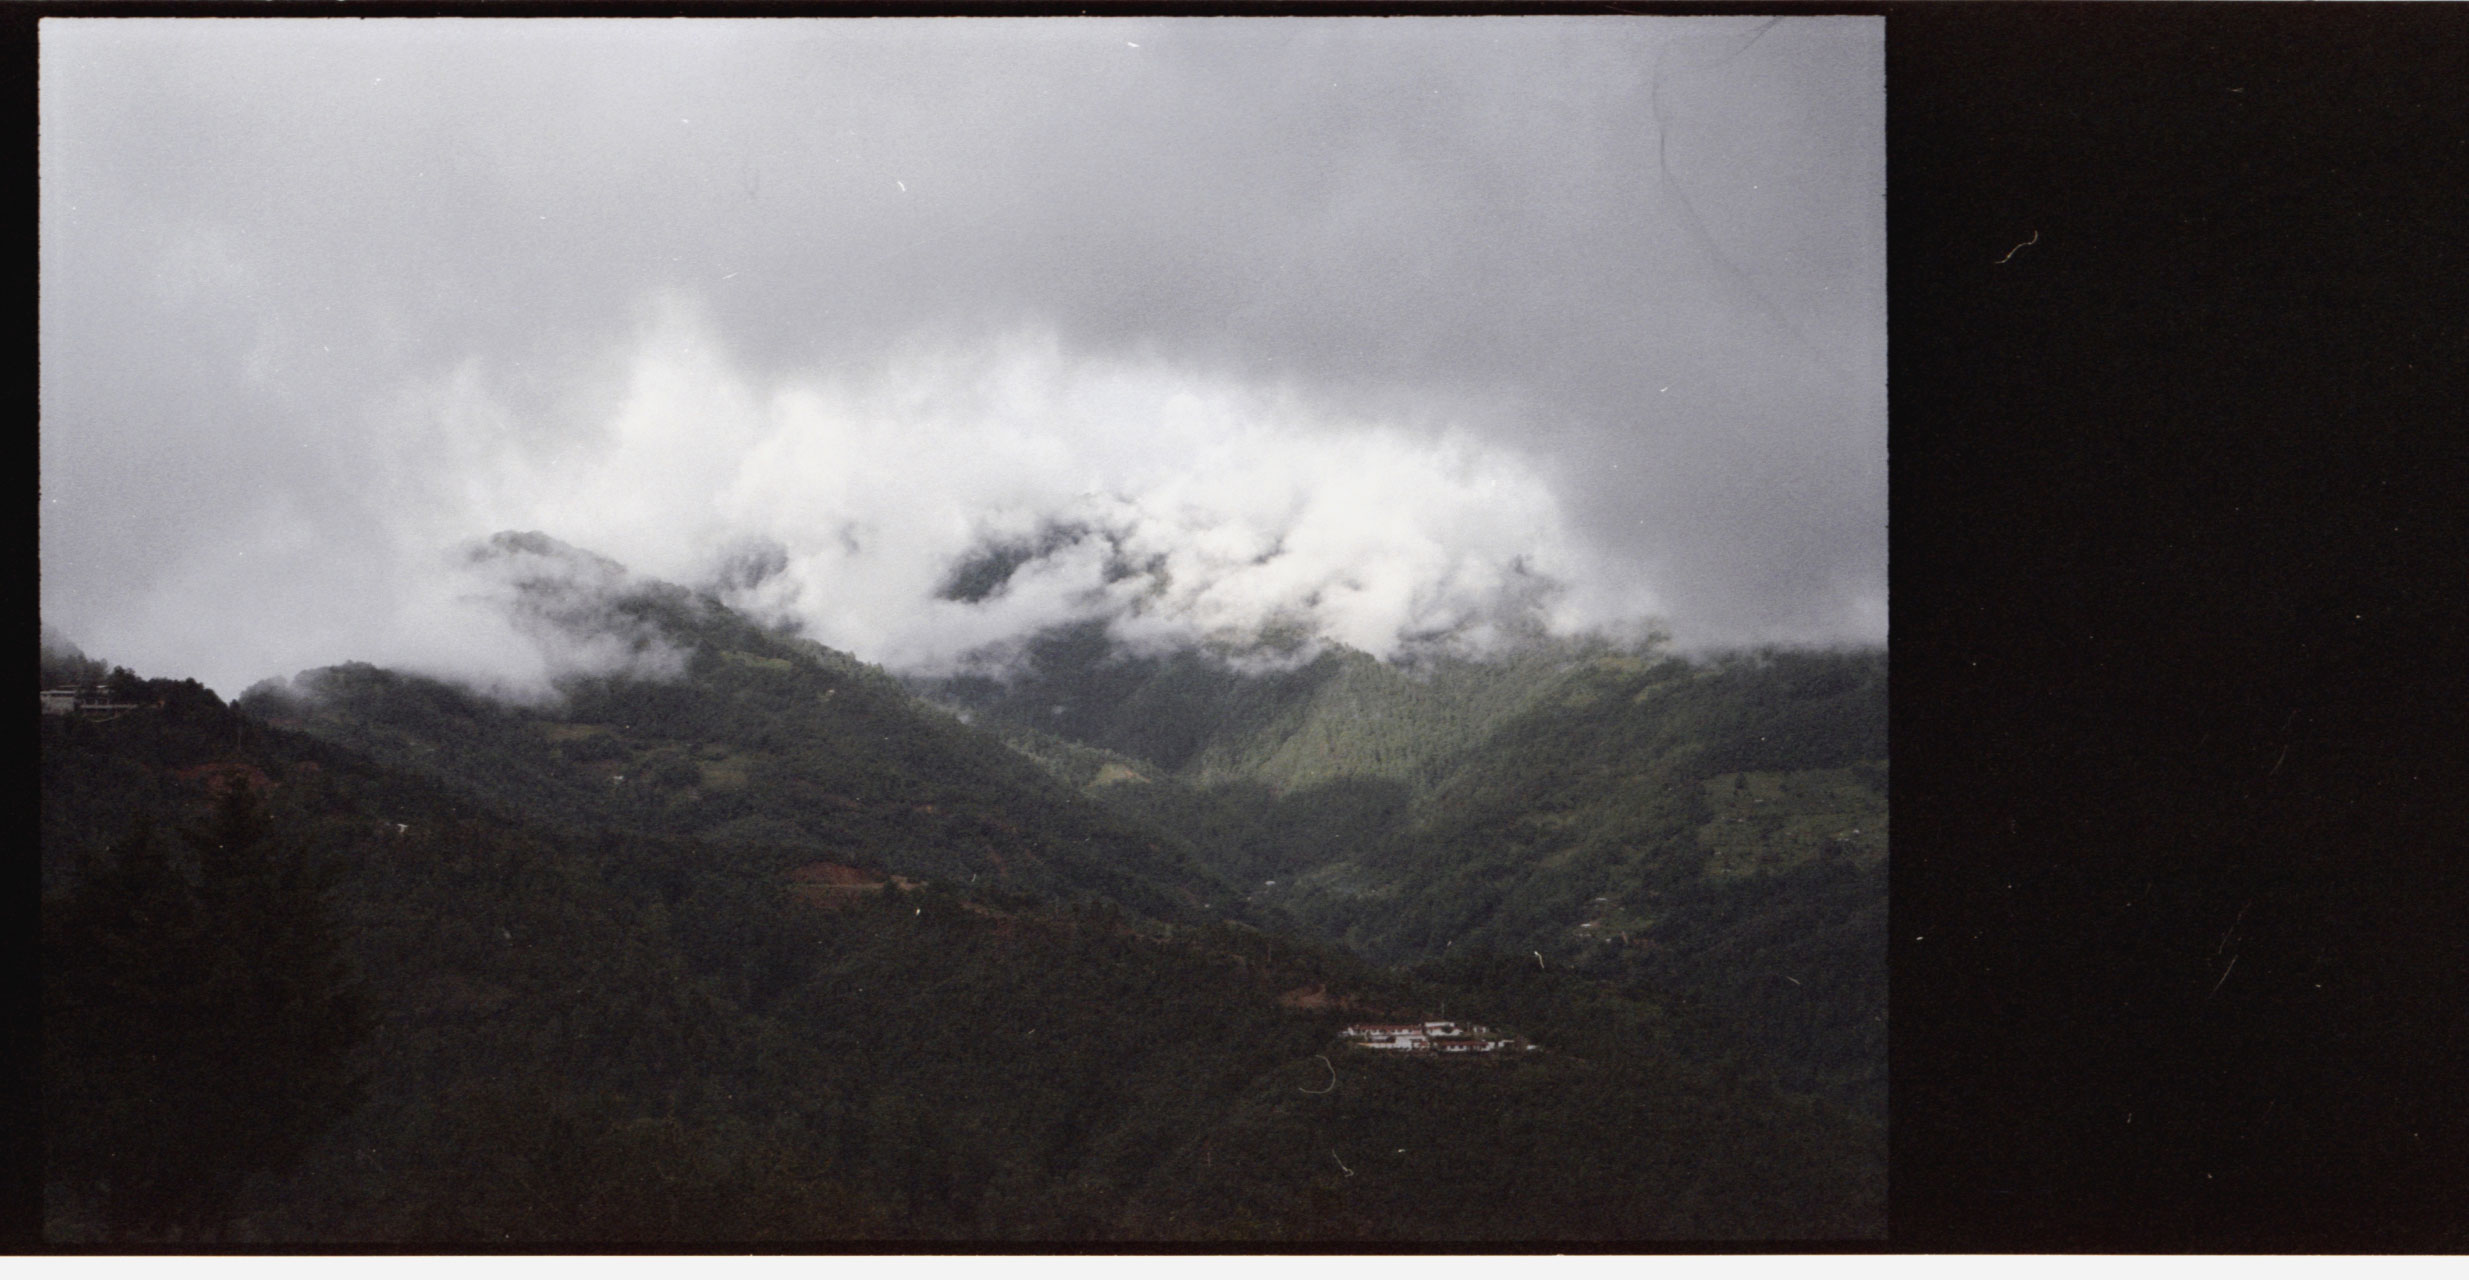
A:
1428,1037
88,700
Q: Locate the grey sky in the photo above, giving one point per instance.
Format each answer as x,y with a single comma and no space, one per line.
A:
1363,322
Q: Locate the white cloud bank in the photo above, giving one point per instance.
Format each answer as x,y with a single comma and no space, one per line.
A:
1186,507
1371,326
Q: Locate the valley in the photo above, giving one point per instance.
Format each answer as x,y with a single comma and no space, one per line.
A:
782,947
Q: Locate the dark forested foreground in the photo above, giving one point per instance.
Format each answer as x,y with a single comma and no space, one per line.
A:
829,965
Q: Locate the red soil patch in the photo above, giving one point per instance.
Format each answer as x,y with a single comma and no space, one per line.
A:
834,875
1316,996
830,885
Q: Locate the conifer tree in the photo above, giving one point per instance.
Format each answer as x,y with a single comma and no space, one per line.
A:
199,1020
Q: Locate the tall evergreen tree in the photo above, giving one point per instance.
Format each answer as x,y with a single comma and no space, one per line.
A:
199,1022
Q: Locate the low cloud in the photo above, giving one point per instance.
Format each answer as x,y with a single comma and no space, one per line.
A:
574,607
1396,333
1184,507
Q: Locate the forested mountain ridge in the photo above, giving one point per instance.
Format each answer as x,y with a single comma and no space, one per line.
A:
742,736
608,1036
576,973
1715,826
1208,721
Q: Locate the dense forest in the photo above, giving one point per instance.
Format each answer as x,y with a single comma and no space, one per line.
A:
771,948
1715,828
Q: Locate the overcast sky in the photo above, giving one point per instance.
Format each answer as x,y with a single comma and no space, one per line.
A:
1388,328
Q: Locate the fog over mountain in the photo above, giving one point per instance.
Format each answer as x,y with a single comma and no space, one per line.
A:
925,334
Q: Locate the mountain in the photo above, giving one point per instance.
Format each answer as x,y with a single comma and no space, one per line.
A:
730,937
740,736
1716,829
609,1036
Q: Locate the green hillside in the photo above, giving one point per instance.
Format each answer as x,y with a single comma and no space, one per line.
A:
548,1033
1716,828
1208,722
762,740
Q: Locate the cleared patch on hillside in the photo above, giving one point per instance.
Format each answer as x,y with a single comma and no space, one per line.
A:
729,771
1766,822
757,661
565,731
